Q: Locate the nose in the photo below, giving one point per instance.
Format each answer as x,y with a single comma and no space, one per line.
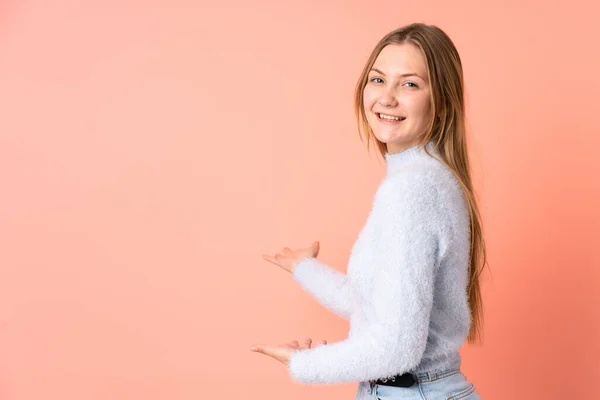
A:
387,98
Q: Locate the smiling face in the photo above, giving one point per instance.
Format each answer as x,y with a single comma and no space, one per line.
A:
396,97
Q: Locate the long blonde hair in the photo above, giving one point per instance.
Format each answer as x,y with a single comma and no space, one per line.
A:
446,130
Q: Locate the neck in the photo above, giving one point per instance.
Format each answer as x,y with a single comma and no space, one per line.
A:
397,160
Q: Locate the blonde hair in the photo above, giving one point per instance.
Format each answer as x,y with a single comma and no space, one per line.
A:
446,130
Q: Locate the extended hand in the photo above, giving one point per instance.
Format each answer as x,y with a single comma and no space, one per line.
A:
285,351
290,258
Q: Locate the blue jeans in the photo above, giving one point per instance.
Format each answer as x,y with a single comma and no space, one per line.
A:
450,384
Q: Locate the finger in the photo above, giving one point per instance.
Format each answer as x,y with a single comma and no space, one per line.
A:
268,257
307,342
319,344
294,343
267,350
286,250
271,259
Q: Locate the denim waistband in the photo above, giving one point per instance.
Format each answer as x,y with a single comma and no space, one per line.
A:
432,376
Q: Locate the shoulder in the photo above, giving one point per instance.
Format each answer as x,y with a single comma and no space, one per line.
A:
425,190
427,180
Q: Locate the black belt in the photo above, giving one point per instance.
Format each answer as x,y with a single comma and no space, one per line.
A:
404,380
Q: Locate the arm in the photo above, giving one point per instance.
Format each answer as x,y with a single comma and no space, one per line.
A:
406,224
325,284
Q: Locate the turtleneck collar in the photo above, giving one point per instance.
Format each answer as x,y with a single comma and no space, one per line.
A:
397,160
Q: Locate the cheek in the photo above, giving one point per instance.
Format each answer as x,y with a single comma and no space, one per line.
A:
421,106
368,99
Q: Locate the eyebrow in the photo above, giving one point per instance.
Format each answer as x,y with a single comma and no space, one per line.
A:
401,75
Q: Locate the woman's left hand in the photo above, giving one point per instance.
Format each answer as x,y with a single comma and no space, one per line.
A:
284,352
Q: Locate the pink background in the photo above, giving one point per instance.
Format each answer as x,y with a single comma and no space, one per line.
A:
150,152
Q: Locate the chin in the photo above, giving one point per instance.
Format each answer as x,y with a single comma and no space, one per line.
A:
387,139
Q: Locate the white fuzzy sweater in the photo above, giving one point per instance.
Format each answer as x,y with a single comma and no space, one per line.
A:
405,287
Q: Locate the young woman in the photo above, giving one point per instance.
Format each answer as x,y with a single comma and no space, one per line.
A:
412,290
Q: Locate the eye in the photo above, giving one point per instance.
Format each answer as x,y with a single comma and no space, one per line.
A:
372,79
412,83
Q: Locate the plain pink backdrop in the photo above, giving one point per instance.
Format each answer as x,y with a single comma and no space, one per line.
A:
150,152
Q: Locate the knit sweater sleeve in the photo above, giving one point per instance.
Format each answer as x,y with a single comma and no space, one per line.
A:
326,285
407,223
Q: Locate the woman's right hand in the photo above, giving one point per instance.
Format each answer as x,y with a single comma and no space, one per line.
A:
290,258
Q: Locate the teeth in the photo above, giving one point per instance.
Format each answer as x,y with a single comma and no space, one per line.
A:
390,118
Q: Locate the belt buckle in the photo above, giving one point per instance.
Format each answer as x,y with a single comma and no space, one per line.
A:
399,381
